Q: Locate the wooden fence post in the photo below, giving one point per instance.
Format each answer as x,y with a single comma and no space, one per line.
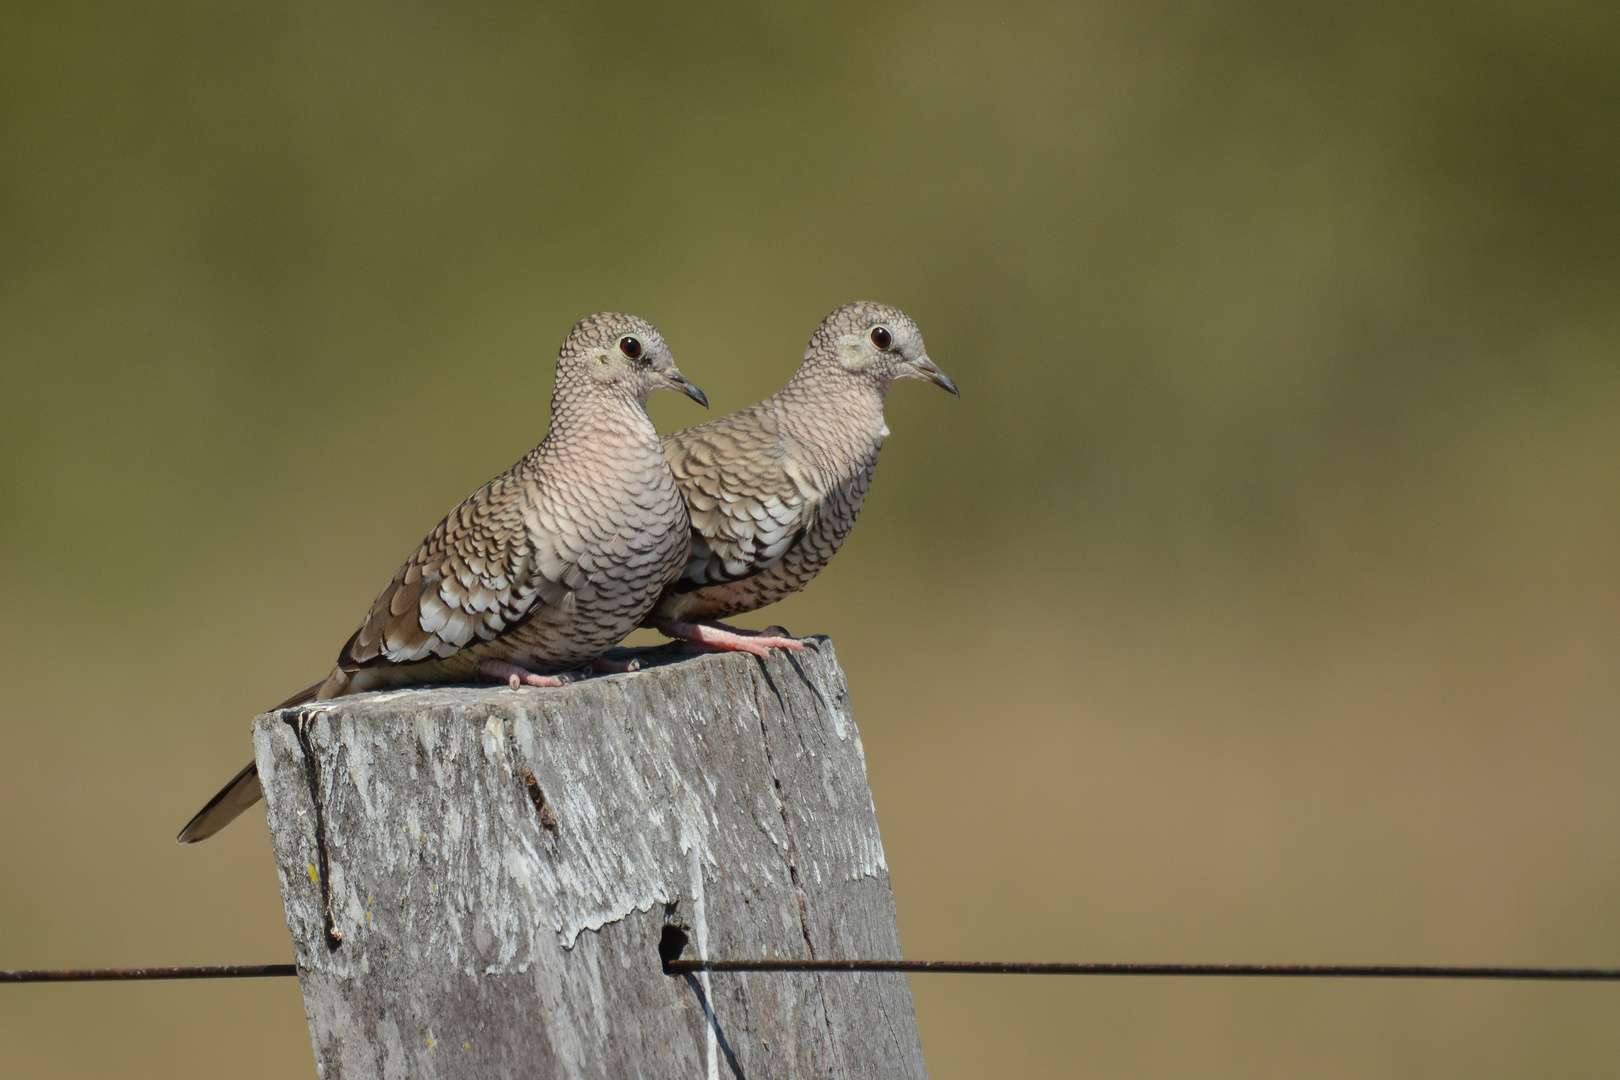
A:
477,880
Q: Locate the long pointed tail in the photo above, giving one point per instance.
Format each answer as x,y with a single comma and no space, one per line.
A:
242,792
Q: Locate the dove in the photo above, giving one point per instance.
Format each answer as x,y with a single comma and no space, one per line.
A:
544,568
774,489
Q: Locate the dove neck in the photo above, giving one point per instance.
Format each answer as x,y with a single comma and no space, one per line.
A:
607,417
834,405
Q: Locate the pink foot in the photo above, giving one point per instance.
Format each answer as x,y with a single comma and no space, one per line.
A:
730,638
516,676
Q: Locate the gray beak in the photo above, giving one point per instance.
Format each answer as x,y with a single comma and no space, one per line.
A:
680,382
925,369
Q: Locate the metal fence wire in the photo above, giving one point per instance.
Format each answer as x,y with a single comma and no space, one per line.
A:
676,966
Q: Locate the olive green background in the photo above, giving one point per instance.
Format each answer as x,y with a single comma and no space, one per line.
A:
1258,601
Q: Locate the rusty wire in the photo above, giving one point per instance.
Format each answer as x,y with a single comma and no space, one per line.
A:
948,967
986,967
142,974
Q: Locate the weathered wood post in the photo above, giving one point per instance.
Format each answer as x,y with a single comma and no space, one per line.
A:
477,880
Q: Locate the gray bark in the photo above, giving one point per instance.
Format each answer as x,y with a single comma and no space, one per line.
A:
477,879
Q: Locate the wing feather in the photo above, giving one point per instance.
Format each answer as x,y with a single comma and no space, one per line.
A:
476,575
748,511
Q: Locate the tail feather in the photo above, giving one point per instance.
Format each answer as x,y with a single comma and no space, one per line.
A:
304,696
242,792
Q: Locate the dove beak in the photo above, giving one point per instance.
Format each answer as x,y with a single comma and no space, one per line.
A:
680,382
925,369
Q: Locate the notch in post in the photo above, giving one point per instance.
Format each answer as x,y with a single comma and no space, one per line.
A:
671,944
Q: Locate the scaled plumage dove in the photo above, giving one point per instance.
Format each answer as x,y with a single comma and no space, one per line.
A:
545,567
774,488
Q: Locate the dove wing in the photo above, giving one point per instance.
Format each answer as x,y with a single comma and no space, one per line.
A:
477,574
750,492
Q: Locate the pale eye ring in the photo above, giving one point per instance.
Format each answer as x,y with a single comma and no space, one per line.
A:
881,337
630,346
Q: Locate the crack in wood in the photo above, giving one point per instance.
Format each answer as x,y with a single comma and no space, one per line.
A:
312,776
542,809
792,845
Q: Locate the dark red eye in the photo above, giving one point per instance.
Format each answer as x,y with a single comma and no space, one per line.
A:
880,337
630,347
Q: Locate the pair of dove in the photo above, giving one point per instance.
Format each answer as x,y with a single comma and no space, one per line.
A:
604,527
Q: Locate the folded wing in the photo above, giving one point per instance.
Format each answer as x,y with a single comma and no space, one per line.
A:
751,489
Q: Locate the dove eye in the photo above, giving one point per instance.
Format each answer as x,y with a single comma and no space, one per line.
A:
630,346
880,337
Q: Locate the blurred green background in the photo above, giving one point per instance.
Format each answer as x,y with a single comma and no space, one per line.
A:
1258,601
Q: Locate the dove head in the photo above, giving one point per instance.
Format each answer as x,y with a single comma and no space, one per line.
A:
622,355
875,342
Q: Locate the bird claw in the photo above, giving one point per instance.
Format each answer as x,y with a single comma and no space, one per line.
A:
516,676
719,636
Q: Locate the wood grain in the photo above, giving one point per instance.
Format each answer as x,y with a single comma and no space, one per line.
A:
477,880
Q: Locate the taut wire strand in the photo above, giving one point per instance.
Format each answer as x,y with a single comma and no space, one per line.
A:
142,974
984,967
946,967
